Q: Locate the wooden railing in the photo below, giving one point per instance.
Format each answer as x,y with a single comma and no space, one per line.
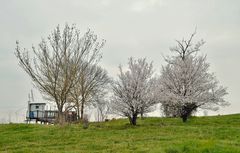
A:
50,116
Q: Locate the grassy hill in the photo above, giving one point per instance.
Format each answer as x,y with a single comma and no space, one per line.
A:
217,134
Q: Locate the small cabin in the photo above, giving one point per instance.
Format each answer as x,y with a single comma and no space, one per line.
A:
36,110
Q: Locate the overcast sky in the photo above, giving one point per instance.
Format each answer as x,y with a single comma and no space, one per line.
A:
138,28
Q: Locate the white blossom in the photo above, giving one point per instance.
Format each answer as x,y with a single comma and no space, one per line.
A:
133,91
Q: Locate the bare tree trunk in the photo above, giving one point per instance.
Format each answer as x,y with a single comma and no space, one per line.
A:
78,112
187,111
61,119
133,119
141,114
82,108
184,118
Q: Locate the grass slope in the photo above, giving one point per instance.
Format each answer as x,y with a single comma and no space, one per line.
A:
217,134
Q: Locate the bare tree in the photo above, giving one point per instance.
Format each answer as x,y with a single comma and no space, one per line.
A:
103,107
133,91
55,67
186,83
92,80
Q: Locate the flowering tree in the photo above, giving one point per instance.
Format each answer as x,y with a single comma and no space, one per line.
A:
186,83
133,91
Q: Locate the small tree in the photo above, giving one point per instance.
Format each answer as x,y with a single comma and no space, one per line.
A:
186,83
133,91
103,107
92,81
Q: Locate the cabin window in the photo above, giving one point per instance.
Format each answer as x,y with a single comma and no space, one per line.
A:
37,107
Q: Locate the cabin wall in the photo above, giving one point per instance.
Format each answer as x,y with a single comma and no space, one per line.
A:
37,107
36,111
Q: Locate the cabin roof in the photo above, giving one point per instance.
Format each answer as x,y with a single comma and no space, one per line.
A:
37,103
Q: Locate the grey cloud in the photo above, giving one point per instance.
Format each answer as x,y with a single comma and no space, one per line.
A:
140,28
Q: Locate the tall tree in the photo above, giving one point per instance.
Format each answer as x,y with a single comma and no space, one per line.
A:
186,83
133,91
55,66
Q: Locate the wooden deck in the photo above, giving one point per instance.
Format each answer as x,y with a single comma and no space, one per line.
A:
50,116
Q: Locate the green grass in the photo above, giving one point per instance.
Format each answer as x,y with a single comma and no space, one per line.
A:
217,134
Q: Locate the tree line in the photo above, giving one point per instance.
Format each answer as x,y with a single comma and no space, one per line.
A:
65,69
